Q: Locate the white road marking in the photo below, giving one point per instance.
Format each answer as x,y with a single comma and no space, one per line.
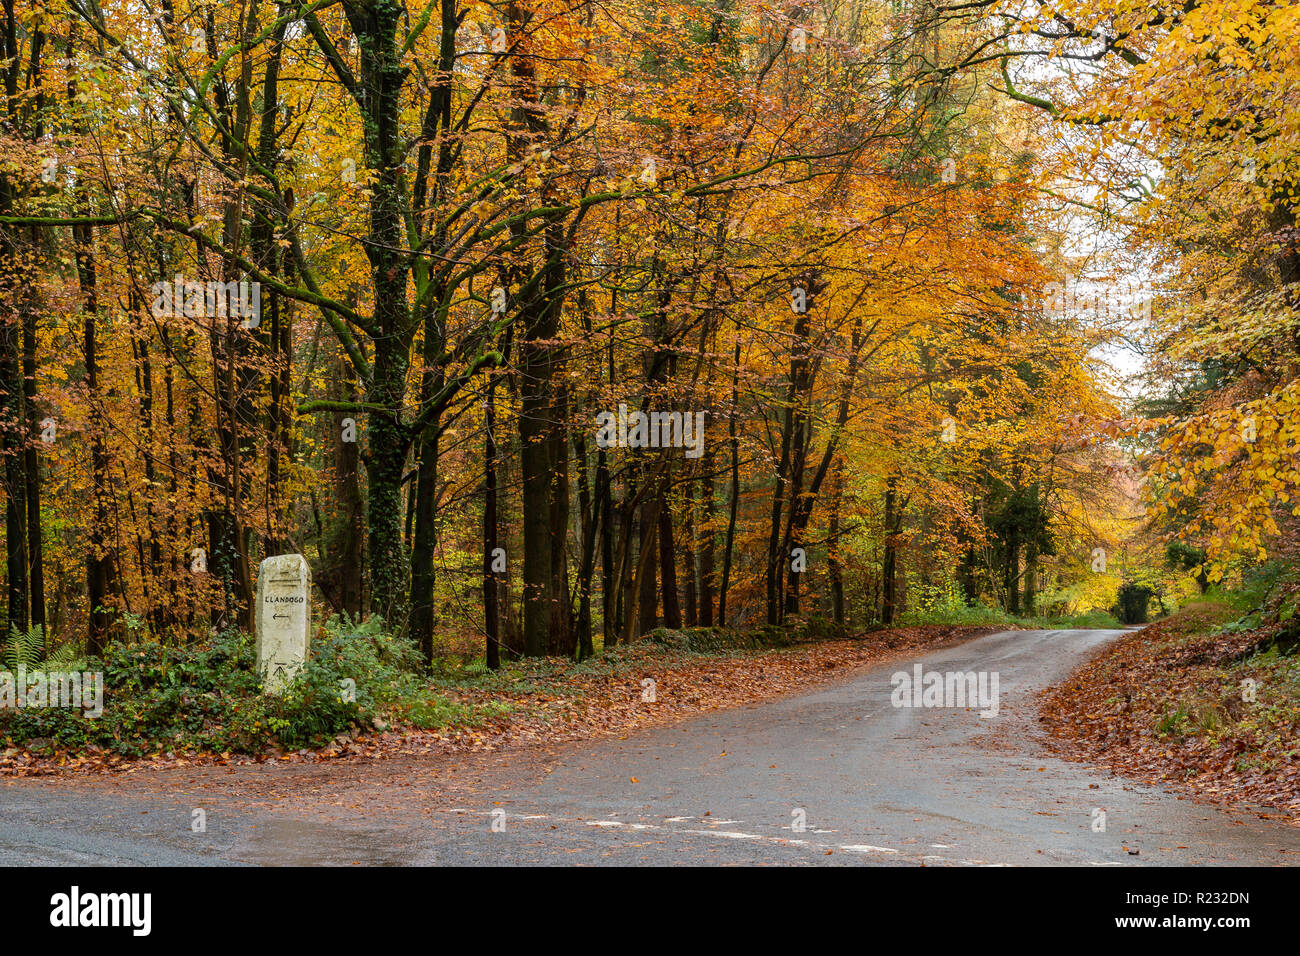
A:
867,848
729,834
739,835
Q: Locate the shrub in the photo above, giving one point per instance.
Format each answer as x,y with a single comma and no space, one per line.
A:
209,697
1133,602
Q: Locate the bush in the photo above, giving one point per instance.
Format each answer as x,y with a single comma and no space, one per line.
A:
979,615
1133,602
209,697
957,614
937,604
1095,620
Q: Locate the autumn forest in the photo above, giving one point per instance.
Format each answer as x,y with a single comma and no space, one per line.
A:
536,326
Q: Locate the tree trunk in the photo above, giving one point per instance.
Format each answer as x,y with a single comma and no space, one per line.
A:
386,457
535,467
14,441
647,593
605,504
422,571
667,567
491,583
32,468
587,566
706,536
381,76
348,534
787,468
834,568
734,496
1011,572
563,635
889,567
1031,576
691,616
99,562
432,379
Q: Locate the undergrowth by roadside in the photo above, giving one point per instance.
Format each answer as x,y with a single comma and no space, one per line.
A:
204,706
208,698
982,616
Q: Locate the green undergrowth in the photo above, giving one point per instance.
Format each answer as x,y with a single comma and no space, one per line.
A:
982,616
207,698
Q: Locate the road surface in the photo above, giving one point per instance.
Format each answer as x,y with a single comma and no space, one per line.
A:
836,776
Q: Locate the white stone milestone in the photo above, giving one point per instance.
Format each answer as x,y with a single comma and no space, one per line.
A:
283,619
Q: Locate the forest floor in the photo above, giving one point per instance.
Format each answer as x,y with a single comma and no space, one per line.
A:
553,700
1194,702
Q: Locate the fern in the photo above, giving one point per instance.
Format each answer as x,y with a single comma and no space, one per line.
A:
27,650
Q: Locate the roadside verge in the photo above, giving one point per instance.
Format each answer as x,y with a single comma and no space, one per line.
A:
658,680
1193,703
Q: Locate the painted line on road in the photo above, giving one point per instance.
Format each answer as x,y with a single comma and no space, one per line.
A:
862,848
867,848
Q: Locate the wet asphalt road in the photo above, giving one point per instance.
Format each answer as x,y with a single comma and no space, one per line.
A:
834,776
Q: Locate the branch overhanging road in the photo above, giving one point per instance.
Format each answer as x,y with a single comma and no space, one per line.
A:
834,776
